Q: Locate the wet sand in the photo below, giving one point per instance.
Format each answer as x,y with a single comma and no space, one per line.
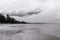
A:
30,32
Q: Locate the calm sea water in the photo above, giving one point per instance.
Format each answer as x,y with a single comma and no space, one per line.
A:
30,31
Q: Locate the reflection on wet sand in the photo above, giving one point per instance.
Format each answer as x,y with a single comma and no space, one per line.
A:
28,32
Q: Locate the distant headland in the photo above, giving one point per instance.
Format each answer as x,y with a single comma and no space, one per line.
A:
9,20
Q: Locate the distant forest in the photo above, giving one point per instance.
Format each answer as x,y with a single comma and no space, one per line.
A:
9,20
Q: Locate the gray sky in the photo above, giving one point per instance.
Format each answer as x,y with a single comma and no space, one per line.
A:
50,9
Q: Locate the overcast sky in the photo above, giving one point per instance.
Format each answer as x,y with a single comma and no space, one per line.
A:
50,9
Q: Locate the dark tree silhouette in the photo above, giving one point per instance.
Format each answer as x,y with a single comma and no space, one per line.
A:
2,18
9,19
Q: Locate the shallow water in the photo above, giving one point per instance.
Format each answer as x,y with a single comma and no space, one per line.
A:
30,32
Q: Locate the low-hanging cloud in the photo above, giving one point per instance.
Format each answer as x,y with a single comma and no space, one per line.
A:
24,13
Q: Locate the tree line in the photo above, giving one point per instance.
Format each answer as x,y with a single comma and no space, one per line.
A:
9,19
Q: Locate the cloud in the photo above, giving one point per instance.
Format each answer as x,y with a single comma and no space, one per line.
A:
34,12
22,13
47,9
